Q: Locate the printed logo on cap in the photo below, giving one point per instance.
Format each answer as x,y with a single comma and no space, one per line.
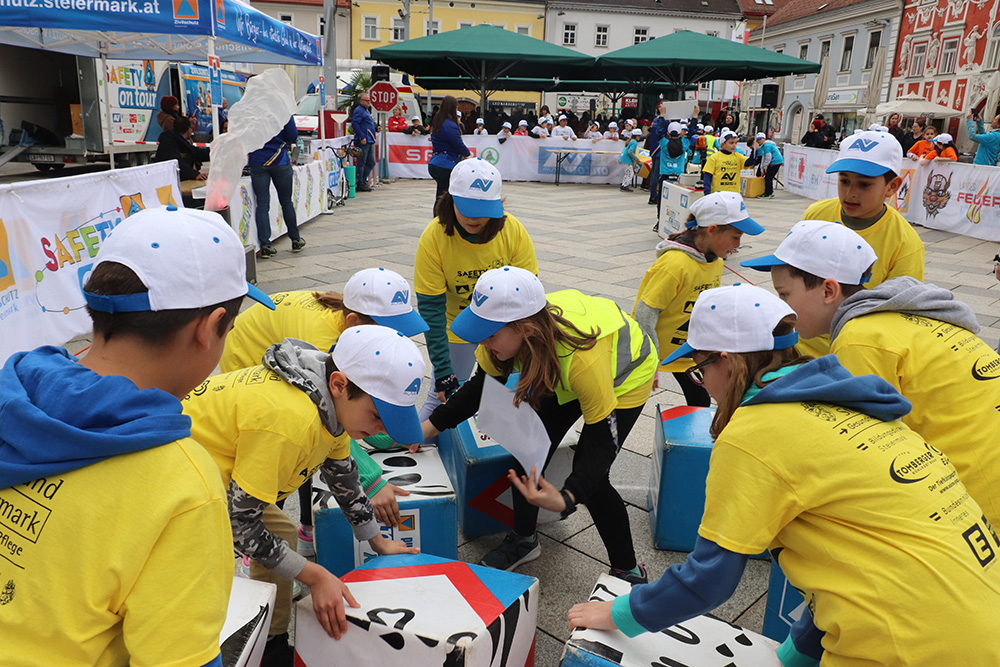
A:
402,296
863,145
481,184
413,387
479,297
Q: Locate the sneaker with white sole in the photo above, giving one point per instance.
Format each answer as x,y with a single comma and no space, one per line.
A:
298,244
515,550
306,545
631,577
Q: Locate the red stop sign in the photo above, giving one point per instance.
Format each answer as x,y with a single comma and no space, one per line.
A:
383,96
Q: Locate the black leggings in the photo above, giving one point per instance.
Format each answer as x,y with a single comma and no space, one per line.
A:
694,394
591,459
442,177
769,174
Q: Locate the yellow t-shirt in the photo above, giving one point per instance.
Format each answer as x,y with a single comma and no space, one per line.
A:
725,170
261,431
873,526
951,377
898,247
671,285
451,265
125,561
296,315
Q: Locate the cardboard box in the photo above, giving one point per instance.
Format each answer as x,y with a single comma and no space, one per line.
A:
675,200
704,641
428,514
750,185
76,118
422,611
785,605
248,617
477,466
645,162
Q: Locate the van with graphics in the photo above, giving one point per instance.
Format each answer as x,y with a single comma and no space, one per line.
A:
307,115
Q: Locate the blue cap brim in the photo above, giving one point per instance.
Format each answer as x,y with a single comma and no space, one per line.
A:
763,263
684,350
748,226
409,324
862,167
402,423
257,295
469,326
479,208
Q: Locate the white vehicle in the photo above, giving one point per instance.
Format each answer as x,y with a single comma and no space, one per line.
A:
307,115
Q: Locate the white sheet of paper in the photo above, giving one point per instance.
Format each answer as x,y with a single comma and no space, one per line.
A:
518,429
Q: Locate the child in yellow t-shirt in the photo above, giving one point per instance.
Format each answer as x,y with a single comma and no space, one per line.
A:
689,263
812,463
116,543
722,168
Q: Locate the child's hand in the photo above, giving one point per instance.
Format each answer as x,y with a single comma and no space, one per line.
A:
328,596
385,506
384,547
539,493
592,615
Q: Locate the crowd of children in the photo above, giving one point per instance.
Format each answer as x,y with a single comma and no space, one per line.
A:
891,544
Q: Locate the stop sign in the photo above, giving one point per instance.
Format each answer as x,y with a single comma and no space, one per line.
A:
383,96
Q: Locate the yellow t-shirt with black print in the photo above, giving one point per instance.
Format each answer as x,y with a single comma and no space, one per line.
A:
725,170
451,265
261,431
870,523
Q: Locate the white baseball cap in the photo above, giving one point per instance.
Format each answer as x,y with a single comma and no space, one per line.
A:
723,208
501,296
629,121
522,122
416,118
476,188
701,127
727,134
612,125
760,135
875,127
186,258
563,117
824,249
869,154
384,296
507,124
944,138
387,366
737,318
708,128
674,128
479,121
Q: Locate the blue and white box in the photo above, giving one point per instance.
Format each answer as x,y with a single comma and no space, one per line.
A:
428,514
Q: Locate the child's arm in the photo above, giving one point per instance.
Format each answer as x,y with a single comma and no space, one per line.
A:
463,404
381,494
433,308
706,179
803,647
646,317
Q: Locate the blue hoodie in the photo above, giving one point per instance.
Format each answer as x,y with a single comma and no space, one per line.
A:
275,151
57,416
711,573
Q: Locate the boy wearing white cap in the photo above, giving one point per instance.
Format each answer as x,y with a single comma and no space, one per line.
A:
114,518
944,149
769,159
541,130
594,131
471,234
416,127
563,129
866,520
722,169
505,132
522,128
481,128
612,132
688,264
917,337
630,158
269,428
575,355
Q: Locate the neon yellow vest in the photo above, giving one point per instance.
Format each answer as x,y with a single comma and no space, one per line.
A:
635,356
712,143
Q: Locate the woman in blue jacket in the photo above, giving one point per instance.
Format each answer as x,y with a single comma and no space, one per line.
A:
271,164
448,147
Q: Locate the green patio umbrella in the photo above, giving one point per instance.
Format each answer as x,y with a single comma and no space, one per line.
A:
482,54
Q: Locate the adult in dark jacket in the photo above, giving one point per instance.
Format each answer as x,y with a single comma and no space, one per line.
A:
820,134
170,110
364,138
271,164
448,149
894,128
175,144
915,134
657,131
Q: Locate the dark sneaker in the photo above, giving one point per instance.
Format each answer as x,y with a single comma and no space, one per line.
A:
513,551
297,246
267,252
625,188
627,575
363,188
277,652
765,197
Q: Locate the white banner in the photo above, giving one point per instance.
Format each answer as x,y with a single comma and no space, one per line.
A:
50,232
951,196
308,194
518,158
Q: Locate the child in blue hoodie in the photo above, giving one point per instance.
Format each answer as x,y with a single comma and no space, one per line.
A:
869,522
115,538
630,159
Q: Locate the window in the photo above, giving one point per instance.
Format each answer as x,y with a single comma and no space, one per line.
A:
874,41
782,51
569,34
803,51
640,35
285,18
992,60
465,24
398,30
524,30
322,26
432,28
848,54
370,25
712,33
601,36
949,56
824,50
917,59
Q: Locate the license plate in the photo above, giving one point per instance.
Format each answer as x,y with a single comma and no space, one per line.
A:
41,158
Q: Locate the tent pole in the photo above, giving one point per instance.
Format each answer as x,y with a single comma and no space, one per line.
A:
482,97
430,31
107,104
215,103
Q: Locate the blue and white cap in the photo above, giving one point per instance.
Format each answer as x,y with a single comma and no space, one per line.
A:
869,154
612,125
824,249
476,188
186,258
386,297
737,318
507,124
723,208
387,366
522,123
727,134
760,135
674,128
501,296
480,121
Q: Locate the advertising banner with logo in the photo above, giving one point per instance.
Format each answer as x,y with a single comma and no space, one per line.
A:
805,174
308,194
518,158
49,235
323,151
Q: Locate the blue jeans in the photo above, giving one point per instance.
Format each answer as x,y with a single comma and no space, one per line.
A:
365,163
261,178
